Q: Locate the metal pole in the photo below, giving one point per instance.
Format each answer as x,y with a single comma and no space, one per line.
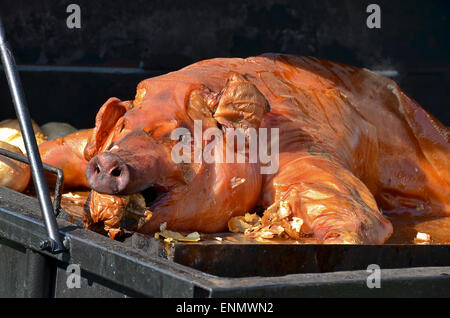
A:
54,244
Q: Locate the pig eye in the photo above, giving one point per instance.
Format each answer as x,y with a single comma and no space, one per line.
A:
122,127
185,139
119,126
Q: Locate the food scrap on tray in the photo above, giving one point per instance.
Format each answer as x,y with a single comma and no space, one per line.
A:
170,236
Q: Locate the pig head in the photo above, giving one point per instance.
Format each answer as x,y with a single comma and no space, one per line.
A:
130,151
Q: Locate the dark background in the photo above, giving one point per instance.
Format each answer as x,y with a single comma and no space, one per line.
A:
155,37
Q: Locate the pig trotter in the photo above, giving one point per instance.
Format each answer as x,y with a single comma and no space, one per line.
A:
315,196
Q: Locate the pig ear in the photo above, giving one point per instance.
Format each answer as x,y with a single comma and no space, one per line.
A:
201,105
240,104
106,119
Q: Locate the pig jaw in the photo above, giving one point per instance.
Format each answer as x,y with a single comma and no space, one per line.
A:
208,202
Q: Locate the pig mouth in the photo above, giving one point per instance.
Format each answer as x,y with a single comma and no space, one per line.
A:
154,195
115,214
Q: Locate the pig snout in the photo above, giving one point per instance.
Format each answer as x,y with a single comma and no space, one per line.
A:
107,173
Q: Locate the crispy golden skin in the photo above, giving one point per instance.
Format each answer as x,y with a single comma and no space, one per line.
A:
10,133
13,174
67,153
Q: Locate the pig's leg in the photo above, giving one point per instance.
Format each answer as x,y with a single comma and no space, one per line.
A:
313,195
67,153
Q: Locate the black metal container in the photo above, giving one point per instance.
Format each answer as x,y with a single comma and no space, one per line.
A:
62,82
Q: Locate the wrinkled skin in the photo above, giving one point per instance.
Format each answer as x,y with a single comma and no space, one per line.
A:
110,214
351,143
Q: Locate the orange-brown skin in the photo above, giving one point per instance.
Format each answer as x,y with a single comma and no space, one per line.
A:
351,143
67,153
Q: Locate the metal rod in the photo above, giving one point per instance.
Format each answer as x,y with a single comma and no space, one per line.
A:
54,243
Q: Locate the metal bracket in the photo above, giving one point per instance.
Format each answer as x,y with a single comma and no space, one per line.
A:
57,171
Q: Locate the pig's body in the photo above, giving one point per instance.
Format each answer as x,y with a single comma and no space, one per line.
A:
350,142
